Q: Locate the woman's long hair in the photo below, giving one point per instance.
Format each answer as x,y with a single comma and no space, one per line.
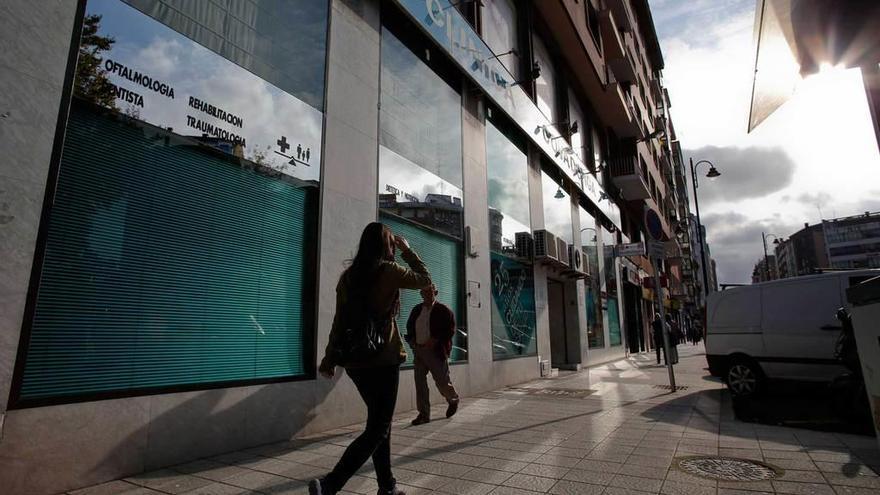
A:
376,246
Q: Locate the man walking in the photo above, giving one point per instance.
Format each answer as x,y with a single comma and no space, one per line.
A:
429,331
657,328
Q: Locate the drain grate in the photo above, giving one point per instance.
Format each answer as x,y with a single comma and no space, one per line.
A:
575,393
669,387
728,468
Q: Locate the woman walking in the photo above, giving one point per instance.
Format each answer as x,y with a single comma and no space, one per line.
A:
372,282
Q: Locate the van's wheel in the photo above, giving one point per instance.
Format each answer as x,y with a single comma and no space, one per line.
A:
744,378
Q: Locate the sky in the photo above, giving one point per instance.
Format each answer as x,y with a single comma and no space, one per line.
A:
816,157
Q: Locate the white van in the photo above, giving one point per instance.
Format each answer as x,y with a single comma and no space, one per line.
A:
783,329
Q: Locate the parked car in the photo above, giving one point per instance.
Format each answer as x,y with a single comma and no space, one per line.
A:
779,330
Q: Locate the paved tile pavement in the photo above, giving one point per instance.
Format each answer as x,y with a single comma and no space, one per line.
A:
609,430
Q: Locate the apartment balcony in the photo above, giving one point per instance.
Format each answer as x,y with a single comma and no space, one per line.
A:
615,49
621,11
630,177
618,109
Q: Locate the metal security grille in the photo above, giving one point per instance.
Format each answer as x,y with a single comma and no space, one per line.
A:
443,257
166,264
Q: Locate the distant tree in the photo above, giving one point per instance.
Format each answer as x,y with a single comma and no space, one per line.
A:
91,79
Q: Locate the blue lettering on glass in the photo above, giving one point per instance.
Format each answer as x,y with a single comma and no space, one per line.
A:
446,26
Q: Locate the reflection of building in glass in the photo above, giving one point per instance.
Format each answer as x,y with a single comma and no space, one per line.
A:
496,232
440,212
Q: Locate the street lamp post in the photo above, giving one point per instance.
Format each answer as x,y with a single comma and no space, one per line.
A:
713,172
766,261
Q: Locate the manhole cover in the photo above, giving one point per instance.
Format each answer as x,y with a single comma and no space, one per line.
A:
728,468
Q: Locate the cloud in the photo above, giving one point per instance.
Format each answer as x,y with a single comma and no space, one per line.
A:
736,245
746,172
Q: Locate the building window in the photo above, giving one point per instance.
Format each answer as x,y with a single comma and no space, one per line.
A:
590,242
557,208
180,245
611,305
513,285
420,169
593,23
579,140
499,19
546,97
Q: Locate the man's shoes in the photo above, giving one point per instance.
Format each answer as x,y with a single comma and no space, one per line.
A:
315,487
420,420
452,409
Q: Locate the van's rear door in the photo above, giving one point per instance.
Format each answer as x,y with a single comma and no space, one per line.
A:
799,320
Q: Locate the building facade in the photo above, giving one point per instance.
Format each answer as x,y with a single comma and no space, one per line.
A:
853,242
188,180
803,253
765,270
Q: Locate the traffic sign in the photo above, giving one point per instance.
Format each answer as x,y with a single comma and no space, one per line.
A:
653,224
632,249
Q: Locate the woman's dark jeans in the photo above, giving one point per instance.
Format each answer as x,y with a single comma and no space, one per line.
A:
378,388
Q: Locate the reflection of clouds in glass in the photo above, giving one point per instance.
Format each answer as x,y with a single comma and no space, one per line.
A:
282,42
508,176
420,113
161,57
557,211
267,112
407,177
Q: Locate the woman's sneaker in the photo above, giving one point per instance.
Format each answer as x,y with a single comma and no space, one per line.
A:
315,487
393,491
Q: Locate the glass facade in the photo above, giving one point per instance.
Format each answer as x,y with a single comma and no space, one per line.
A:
590,242
500,33
557,208
611,307
420,169
180,245
545,85
513,285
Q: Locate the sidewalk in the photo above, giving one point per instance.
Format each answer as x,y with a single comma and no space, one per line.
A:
610,430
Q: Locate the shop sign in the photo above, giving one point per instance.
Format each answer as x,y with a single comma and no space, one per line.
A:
445,25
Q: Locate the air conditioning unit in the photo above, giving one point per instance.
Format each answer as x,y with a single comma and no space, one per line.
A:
524,245
576,261
562,250
546,247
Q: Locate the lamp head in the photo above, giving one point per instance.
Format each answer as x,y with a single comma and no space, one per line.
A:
713,173
559,194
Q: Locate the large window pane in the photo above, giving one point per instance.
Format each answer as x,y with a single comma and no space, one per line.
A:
557,208
499,32
592,284
420,171
513,291
578,143
545,85
612,310
180,243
